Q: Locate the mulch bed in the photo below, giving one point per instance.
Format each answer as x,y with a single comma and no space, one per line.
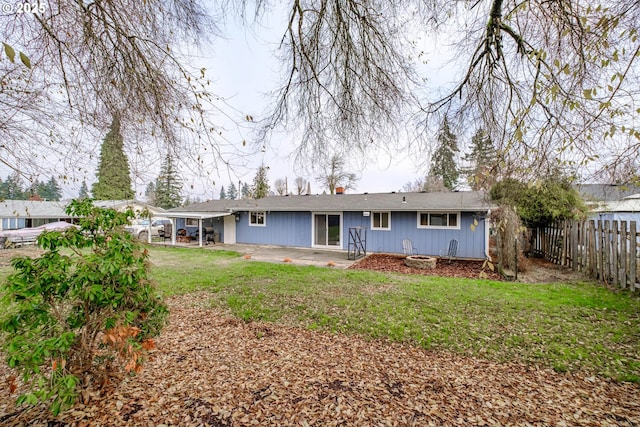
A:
456,268
210,369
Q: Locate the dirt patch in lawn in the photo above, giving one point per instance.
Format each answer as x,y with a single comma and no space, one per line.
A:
444,268
6,255
537,270
210,369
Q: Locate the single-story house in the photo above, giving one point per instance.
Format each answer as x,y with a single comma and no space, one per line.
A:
377,222
595,193
18,214
612,202
627,209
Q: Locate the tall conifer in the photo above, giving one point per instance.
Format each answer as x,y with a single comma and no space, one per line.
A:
443,164
114,180
168,185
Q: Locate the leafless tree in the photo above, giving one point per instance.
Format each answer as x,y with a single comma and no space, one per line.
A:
429,184
335,175
549,80
280,186
347,75
552,80
301,185
90,60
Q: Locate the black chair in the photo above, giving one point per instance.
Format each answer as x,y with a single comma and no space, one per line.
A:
209,234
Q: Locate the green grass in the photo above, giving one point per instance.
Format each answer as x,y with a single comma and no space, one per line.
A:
567,327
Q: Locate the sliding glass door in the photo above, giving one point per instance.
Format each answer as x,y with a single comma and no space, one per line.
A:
326,230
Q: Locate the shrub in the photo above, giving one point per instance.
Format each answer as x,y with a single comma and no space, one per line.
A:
540,203
84,312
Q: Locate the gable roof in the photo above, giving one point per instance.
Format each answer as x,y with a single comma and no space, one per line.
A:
628,204
51,209
32,209
469,201
606,192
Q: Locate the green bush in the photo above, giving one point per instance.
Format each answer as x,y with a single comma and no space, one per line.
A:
84,312
542,202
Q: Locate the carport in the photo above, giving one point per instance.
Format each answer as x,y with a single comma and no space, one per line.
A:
200,216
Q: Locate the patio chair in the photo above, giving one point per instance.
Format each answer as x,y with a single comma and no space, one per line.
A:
408,248
453,250
166,232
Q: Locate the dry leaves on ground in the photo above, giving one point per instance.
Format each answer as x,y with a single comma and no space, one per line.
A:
213,370
470,269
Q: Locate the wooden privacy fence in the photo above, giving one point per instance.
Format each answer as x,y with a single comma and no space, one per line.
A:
605,250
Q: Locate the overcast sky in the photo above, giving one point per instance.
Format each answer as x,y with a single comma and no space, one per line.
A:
244,69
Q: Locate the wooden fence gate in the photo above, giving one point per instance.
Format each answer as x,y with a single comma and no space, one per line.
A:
607,251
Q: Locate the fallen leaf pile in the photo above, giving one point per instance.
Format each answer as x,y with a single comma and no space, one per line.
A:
209,369
444,268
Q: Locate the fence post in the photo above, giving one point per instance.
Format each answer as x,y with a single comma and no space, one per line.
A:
583,239
575,261
603,227
593,260
606,251
633,255
623,260
614,252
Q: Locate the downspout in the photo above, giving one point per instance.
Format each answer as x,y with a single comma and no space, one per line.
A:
487,225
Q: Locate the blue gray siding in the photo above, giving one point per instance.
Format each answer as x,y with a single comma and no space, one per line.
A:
295,229
471,244
281,228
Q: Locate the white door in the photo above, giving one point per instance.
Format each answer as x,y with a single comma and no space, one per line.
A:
229,229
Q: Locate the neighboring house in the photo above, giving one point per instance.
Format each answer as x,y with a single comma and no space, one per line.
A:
606,192
430,220
627,209
18,214
612,202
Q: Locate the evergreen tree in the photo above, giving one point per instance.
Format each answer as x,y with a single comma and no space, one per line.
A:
260,188
84,191
246,191
51,190
223,195
13,189
443,164
38,190
482,161
114,181
232,192
168,185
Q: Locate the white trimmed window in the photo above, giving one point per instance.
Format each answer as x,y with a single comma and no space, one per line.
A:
439,220
192,222
381,220
257,219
